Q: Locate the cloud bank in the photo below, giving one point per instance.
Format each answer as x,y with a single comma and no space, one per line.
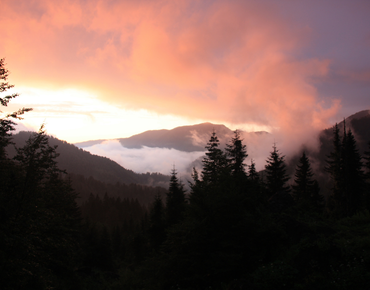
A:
146,159
235,62
162,160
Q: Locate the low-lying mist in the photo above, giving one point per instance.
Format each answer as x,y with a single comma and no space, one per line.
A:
145,159
163,160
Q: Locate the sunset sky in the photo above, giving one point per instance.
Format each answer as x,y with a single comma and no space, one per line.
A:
95,69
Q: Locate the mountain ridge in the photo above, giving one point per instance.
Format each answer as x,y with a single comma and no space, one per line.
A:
186,138
80,162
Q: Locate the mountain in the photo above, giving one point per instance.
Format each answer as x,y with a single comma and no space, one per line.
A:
80,162
185,138
359,124
182,147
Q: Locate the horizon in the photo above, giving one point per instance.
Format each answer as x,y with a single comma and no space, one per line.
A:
93,70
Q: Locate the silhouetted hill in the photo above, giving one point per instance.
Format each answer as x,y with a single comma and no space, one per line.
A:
80,162
359,124
144,194
185,138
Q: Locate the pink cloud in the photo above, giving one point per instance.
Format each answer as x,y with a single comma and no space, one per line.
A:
224,61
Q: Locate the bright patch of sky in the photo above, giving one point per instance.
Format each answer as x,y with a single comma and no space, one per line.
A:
75,115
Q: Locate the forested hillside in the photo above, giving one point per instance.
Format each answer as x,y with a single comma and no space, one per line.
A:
80,162
235,228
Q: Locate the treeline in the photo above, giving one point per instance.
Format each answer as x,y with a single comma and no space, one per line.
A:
238,230
87,186
39,218
47,241
234,229
79,162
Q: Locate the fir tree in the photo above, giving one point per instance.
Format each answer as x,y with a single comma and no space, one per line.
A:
252,172
352,176
237,153
6,122
367,162
334,162
367,177
215,164
39,218
175,200
276,177
304,182
157,223
345,169
43,207
306,188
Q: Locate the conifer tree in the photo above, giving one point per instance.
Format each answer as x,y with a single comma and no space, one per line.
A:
157,223
353,178
367,177
367,162
276,173
215,164
334,162
252,172
39,218
345,168
237,153
175,200
6,122
304,182
306,188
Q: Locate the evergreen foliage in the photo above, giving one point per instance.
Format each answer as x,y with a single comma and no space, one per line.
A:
303,178
175,200
276,177
6,120
334,162
237,153
252,172
345,168
41,222
229,236
39,219
215,164
157,223
367,162
306,189
353,175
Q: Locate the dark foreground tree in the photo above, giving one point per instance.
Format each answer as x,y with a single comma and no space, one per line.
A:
276,177
237,153
252,172
215,163
353,176
345,168
157,223
39,219
175,200
305,187
7,119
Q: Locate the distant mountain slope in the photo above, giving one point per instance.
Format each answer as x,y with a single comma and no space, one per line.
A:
81,162
185,138
359,123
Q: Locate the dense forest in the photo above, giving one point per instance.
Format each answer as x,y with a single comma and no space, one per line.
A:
235,228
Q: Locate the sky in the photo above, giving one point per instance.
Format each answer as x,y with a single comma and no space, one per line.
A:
110,69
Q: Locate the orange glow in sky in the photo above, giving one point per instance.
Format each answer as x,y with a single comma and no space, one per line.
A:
110,69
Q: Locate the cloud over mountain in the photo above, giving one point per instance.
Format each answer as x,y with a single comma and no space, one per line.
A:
242,63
